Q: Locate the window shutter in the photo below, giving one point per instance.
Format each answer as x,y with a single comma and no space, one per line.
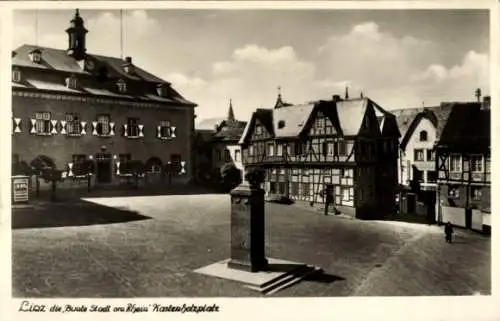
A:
63,127
158,131
33,126
94,128
53,127
141,133
83,127
125,133
183,167
17,125
172,131
111,129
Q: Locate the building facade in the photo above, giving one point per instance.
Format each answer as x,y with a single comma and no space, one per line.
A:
420,129
463,160
219,145
71,106
349,146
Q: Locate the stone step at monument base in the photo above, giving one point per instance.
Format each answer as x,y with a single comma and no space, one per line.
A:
279,274
286,280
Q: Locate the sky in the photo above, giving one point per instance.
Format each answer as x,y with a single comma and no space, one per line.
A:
398,58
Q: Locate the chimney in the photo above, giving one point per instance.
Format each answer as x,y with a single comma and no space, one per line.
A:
336,98
128,66
486,103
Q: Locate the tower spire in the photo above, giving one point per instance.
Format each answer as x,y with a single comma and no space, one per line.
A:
76,37
230,113
279,100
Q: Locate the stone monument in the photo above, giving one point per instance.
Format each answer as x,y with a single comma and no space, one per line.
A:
248,224
248,263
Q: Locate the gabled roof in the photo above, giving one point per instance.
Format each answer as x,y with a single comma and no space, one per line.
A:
404,118
351,114
290,121
467,128
408,119
265,117
230,130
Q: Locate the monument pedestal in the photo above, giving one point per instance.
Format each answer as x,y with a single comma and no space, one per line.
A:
248,263
247,229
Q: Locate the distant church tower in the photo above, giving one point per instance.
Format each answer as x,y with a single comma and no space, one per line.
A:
230,113
76,37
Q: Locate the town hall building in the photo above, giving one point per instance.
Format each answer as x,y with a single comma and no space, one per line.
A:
70,106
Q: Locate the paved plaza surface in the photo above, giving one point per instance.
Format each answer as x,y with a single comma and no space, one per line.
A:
149,246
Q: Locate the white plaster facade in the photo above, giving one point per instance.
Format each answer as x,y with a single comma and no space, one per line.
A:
235,153
418,156
230,153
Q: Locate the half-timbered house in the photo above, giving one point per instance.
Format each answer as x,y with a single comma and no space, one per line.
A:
70,106
420,129
348,145
463,158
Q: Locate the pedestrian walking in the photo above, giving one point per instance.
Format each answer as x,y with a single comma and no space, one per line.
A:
448,232
328,198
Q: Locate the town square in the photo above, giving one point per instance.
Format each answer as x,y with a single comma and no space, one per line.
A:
155,252
342,153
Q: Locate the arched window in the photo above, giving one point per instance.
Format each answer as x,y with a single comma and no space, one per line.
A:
423,136
154,165
42,162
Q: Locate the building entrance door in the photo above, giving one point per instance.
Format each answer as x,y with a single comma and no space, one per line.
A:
103,168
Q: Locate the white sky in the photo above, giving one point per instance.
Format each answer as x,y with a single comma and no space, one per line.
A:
397,58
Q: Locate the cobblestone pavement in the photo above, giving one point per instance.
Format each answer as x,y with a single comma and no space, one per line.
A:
161,240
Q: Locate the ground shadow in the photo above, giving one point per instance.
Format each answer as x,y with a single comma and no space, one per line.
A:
67,194
319,277
409,218
301,269
322,277
77,213
282,267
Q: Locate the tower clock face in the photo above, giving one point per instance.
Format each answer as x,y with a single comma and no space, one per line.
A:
90,65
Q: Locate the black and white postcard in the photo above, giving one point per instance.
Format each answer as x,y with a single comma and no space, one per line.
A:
281,161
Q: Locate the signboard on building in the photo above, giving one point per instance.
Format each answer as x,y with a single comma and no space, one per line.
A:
20,189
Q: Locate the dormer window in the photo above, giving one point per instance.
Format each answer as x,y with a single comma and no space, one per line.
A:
122,86
16,75
71,82
162,90
89,65
36,56
129,69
